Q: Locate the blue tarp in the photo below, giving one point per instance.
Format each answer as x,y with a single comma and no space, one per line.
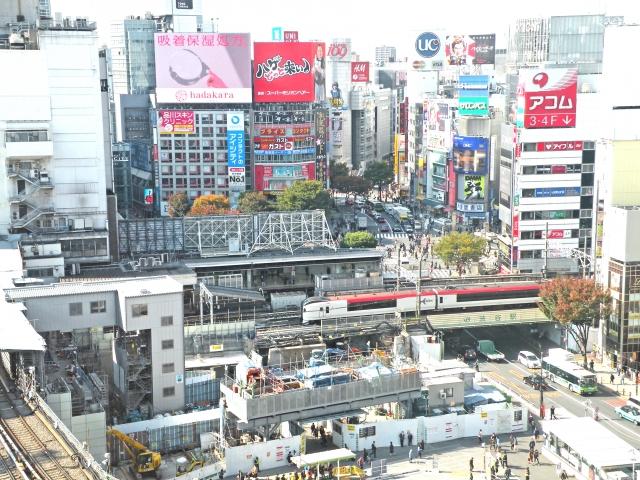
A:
314,371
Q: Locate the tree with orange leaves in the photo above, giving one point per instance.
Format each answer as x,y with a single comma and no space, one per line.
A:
577,304
209,205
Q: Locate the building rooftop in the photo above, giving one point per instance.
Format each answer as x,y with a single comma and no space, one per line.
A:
126,272
125,288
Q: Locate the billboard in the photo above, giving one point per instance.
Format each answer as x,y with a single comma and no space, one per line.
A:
235,156
176,121
203,67
470,50
148,196
359,72
473,95
289,72
549,97
274,178
426,49
471,188
322,165
470,154
436,125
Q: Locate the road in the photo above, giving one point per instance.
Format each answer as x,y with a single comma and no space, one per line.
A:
511,340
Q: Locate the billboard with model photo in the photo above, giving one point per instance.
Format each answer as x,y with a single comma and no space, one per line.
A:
289,72
471,50
470,154
203,67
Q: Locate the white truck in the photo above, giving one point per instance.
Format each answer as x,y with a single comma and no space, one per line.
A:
487,349
362,222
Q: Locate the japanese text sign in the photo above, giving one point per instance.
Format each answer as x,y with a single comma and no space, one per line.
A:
550,97
359,72
176,121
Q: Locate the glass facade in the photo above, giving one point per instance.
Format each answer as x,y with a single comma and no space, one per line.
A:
132,56
577,41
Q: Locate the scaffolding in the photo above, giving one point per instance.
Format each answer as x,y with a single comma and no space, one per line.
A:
219,235
138,385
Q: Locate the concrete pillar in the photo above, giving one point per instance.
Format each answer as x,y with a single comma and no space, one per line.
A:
249,278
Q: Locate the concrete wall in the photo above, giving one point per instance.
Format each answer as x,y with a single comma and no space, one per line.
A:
60,403
272,454
432,429
90,428
288,355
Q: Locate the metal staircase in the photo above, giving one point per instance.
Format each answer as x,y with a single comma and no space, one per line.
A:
34,183
35,212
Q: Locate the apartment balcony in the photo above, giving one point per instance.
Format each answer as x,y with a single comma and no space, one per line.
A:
28,145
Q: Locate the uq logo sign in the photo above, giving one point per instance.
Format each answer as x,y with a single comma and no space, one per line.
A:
428,44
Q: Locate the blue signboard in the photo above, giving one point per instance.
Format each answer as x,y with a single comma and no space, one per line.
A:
284,152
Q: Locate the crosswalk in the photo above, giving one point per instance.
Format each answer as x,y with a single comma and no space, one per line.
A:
391,235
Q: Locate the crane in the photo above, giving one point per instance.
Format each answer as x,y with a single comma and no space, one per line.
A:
144,460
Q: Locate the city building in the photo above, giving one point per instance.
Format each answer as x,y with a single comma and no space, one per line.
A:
385,54
54,151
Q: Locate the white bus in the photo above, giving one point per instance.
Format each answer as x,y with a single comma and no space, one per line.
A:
570,375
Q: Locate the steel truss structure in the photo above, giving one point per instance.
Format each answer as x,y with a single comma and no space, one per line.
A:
585,261
145,236
292,230
219,235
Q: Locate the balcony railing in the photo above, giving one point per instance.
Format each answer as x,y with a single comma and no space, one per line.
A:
28,136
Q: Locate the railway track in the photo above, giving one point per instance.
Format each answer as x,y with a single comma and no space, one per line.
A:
31,444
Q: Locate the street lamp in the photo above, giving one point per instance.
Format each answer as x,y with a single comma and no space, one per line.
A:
541,386
633,465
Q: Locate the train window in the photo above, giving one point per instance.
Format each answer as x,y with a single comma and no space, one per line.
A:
326,309
371,305
478,297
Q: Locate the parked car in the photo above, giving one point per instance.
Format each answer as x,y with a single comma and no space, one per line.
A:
384,228
397,228
467,352
535,381
528,359
629,413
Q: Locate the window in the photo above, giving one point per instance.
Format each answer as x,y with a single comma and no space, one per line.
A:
99,307
449,392
528,192
75,309
168,367
166,321
140,310
169,392
517,414
587,168
167,344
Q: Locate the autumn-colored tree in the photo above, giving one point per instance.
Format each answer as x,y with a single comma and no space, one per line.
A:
209,205
459,249
576,303
178,204
252,202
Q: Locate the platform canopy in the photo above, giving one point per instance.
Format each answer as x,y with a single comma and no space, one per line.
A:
322,458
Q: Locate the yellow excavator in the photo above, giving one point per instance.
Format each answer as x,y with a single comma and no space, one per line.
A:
144,460
190,461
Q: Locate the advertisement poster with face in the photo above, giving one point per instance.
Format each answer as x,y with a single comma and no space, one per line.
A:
471,50
469,154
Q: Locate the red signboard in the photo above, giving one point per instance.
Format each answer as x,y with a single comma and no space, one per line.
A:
176,121
289,72
452,186
556,233
359,71
278,177
550,98
337,51
559,146
290,36
273,131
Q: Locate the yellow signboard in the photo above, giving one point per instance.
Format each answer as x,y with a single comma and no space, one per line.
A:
216,348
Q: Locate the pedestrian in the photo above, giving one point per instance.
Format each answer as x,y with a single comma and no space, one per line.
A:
527,474
361,463
256,463
497,444
410,455
313,429
497,465
391,449
532,444
536,457
512,442
504,460
401,439
621,379
365,455
530,457
471,465
553,412
480,437
240,476
591,365
612,378
563,475
507,474
373,450
515,443
419,452
409,438
492,446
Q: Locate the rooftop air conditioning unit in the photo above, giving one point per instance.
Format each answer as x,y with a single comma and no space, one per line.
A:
151,261
142,262
165,258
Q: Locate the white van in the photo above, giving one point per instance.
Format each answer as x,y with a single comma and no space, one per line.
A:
528,359
360,202
441,225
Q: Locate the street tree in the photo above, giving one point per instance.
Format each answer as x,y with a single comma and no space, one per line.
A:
337,169
304,195
209,205
253,202
352,185
577,304
359,240
380,174
178,204
459,249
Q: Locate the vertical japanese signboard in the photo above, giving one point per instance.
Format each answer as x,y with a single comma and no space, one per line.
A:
321,147
235,156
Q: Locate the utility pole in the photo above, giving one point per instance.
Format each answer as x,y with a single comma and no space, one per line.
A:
541,384
546,256
419,286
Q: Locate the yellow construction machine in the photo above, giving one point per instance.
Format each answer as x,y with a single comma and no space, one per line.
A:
144,460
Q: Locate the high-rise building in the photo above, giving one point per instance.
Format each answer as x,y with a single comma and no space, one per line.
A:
53,156
385,54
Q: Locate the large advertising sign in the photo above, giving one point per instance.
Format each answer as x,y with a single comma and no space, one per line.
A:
236,157
470,154
275,178
359,72
203,67
322,165
176,121
471,50
471,188
289,72
473,95
436,125
427,49
549,97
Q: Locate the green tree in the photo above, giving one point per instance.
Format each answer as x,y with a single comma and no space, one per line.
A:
359,240
337,170
252,202
380,174
304,195
209,205
459,248
178,204
352,185
577,304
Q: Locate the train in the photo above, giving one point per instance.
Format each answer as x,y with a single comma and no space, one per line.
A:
461,298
